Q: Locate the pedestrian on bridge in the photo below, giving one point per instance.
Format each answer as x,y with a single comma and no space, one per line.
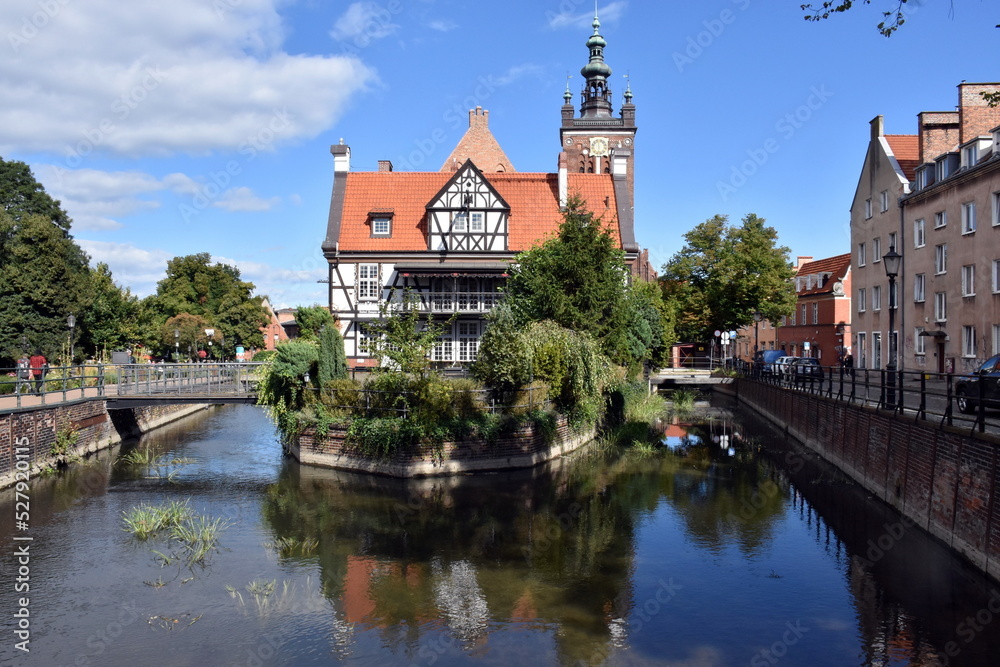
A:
23,374
39,365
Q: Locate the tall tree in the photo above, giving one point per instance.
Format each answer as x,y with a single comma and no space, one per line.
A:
579,280
44,278
724,273
22,195
115,318
312,319
216,293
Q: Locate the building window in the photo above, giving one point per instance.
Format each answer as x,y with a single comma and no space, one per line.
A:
919,342
459,223
918,233
970,155
792,321
923,178
476,222
861,299
442,350
876,250
969,341
996,339
919,287
996,208
996,276
968,217
969,280
877,297
862,350
804,320
368,287
884,201
381,226
868,209
862,255
815,313
941,258
468,341
940,307
940,219
876,349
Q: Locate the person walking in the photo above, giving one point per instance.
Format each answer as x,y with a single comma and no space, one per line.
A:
849,364
39,364
23,374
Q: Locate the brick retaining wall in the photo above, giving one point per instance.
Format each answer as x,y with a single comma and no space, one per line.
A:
523,449
945,479
35,429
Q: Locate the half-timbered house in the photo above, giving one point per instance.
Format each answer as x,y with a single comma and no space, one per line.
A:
449,236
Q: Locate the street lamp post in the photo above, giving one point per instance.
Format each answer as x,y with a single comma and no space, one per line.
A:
891,261
71,323
757,317
209,333
177,346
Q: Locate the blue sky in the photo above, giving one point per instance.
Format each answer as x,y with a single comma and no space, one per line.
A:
171,128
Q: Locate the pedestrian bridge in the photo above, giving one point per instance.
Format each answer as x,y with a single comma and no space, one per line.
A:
140,385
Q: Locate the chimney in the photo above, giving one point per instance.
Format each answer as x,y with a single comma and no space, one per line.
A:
563,179
938,133
341,158
385,165
479,118
802,261
878,127
975,116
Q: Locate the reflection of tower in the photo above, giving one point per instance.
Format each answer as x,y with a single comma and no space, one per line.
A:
597,141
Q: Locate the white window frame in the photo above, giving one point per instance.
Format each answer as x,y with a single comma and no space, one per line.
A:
382,226
815,313
969,341
919,233
477,221
996,276
969,280
970,155
996,339
468,341
459,222
868,209
369,286
969,217
876,349
876,250
861,299
995,208
940,259
940,219
862,344
884,201
862,254
804,319
940,306
876,297
919,342
919,287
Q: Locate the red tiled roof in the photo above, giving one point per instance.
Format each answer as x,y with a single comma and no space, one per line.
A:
837,266
906,148
532,197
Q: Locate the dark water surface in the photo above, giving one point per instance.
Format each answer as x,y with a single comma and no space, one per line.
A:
725,547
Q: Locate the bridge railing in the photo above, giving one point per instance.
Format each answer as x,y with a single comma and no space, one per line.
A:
926,396
202,379
53,384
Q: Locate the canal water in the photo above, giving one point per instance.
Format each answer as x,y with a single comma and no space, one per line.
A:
725,546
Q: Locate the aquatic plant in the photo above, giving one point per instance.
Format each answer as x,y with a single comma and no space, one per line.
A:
289,547
145,521
683,400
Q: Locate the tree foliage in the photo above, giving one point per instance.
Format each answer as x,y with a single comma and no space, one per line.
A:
312,319
579,280
504,360
216,293
332,363
190,334
44,278
21,195
402,339
115,318
724,273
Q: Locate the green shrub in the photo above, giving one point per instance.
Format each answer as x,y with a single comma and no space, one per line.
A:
468,398
264,355
344,395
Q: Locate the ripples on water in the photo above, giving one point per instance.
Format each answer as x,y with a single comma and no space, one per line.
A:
723,547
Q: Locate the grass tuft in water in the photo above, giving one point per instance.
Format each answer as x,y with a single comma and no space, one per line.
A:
291,547
145,521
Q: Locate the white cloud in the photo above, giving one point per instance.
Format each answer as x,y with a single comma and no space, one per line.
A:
244,200
284,288
442,25
185,76
132,266
608,14
93,198
519,71
364,21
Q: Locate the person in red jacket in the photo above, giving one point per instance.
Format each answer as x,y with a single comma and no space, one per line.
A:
39,364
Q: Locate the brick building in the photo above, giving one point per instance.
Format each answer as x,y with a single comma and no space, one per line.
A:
821,325
448,236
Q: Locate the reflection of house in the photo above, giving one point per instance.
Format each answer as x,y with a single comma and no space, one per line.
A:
448,236
820,326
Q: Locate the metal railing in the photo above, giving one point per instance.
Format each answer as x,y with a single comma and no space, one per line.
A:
63,383
925,396
375,402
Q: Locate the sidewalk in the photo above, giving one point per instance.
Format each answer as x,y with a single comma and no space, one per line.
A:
9,402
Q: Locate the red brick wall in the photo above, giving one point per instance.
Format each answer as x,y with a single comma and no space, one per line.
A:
944,479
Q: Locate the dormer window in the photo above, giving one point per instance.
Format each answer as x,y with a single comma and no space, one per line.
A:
381,222
970,155
925,176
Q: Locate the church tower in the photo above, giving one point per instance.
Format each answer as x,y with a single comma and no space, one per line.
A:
596,140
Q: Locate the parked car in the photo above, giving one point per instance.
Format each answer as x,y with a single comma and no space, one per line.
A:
783,366
967,386
807,368
765,360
